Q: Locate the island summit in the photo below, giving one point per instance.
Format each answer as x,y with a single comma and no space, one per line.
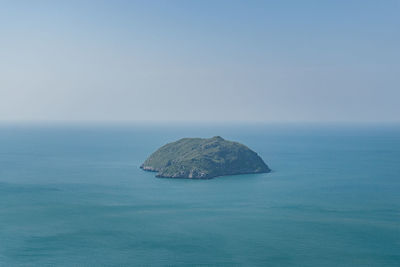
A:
204,158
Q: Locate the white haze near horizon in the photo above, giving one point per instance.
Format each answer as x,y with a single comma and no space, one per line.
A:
200,61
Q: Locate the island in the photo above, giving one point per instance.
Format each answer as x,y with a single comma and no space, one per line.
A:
204,158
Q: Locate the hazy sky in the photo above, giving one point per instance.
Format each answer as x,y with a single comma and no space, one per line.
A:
200,60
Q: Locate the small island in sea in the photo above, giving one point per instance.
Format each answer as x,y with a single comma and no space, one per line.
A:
204,158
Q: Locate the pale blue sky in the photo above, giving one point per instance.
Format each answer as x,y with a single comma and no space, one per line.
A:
200,60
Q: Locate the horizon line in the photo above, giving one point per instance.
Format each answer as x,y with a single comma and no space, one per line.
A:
202,122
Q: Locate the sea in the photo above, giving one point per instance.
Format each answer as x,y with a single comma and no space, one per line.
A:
74,195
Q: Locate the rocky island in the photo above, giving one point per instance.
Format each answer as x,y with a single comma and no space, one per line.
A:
204,158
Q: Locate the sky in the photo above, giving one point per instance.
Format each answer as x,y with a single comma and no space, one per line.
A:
220,61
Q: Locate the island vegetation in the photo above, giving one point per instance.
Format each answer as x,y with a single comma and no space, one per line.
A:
204,158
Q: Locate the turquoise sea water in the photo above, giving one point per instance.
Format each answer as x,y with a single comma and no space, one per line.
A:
73,195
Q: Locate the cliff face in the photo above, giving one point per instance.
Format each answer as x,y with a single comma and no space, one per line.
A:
199,158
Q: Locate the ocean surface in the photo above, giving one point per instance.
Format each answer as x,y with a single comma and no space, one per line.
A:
73,195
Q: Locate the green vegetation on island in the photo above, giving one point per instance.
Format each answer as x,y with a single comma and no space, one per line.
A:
201,158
